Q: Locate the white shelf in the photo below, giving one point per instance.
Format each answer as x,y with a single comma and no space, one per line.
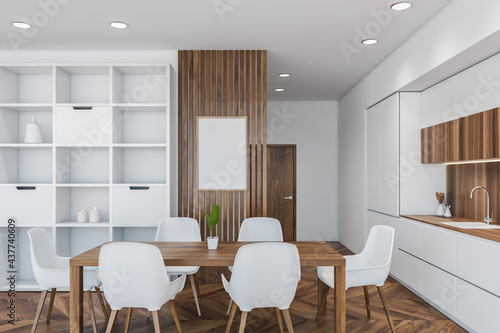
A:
139,145
26,84
71,200
139,165
13,121
82,84
25,145
82,165
74,224
26,165
140,84
140,125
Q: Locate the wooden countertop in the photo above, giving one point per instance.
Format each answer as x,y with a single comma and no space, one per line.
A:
490,234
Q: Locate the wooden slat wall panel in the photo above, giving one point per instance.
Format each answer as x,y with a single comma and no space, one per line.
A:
462,178
222,83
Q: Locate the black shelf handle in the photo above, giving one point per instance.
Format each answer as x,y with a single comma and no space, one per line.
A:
26,188
83,108
139,188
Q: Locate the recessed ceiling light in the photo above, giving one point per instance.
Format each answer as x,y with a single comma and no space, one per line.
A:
401,5
284,75
21,25
369,41
279,89
118,25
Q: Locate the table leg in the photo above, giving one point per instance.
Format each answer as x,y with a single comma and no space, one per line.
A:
76,299
340,295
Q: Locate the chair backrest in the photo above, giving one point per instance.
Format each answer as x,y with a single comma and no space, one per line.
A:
3,263
378,246
260,229
43,255
265,275
178,229
133,275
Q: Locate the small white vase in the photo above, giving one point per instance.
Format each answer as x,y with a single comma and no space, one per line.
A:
440,211
212,243
33,132
447,212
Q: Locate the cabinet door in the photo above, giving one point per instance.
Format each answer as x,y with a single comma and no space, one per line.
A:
29,206
382,156
410,271
409,237
439,248
477,308
440,288
139,205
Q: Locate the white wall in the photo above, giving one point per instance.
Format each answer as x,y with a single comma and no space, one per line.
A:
312,126
474,90
456,29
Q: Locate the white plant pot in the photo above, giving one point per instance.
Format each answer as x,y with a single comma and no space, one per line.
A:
212,243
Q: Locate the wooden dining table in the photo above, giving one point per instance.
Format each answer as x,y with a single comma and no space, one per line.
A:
198,254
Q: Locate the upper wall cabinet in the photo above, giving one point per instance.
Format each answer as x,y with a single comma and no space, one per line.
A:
382,156
474,137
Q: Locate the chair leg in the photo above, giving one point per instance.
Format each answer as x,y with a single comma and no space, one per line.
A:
278,314
39,310
101,301
230,305
195,293
174,314
231,316
111,321
323,290
387,313
243,321
156,320
367,301
91,310
288,321
197,285
51,304
128,320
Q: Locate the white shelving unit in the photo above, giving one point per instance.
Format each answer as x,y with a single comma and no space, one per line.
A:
106,133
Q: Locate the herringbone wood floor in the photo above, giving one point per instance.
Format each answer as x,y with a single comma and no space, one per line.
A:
410,313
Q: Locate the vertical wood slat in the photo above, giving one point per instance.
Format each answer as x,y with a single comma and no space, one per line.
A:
222,83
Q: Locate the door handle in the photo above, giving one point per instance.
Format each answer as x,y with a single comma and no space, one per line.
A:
289,198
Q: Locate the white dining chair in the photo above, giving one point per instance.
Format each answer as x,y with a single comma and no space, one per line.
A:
258,229
133,275
52,272
370,267
182,229
249,288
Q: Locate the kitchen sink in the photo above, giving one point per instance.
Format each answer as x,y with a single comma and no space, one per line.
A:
471,225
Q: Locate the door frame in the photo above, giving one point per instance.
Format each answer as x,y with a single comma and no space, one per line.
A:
294,147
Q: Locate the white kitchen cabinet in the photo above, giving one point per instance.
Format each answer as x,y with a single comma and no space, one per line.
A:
410,237
439,248
410,271
440,288
382,156
477,262
477,308
106,134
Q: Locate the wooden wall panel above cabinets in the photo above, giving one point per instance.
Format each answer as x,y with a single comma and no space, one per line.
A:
469,138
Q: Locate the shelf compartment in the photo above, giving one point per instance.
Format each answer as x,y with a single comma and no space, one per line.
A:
26,84
140,125
28,205
139,165
82,165
140,84
86,126
13,121
139,206
70,200
133,234
82,84
25,165
74,241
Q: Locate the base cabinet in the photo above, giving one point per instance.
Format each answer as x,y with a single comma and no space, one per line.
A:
440,288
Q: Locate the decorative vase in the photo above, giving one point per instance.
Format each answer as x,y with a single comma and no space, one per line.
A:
33,132
440,211
212,243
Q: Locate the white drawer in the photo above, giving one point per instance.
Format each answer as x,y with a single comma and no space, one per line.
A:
138,206
28,206
87,127
477,262
440,288
410,271
439,248
477,308
410,237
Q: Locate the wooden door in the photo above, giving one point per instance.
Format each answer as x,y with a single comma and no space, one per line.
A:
281,187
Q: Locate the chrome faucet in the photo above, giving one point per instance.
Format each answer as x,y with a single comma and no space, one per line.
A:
487,219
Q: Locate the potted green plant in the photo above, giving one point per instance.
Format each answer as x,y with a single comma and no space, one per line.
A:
212,221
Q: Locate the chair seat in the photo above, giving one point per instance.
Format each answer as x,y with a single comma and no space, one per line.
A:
179,270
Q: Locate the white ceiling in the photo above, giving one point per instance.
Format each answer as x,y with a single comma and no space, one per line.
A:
303,37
